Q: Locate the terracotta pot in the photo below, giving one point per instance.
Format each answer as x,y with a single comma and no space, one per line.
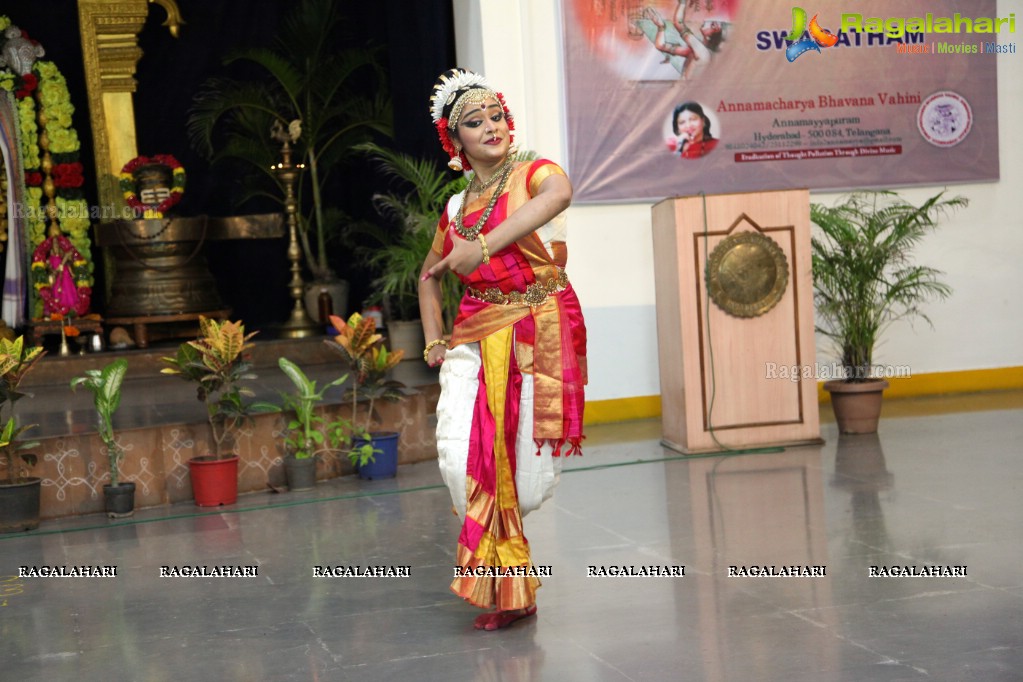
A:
857,405
214,481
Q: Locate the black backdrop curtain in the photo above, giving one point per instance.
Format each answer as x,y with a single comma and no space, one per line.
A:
418,43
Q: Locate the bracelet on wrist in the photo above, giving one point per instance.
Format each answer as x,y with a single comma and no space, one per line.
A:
486,252
430,346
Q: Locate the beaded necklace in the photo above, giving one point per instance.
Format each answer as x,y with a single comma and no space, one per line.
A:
480,187
471,233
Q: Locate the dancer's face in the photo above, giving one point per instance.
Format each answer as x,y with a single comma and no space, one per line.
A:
690,125
483,132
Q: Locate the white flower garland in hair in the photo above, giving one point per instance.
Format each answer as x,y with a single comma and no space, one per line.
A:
450,83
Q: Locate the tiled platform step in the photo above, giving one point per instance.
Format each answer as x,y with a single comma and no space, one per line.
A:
161,425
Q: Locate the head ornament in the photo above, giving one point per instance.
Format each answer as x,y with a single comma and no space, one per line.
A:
453,91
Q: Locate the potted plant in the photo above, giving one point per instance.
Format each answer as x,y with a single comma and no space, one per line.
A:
105,384
864,279
369,361
411,212
305,80
309,435
217,363
19,492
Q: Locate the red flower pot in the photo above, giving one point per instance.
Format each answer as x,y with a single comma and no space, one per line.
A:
214,481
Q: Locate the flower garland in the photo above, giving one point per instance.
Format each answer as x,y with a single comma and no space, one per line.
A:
45,87
127,184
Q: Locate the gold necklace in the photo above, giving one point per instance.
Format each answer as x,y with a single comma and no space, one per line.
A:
471,233
480,187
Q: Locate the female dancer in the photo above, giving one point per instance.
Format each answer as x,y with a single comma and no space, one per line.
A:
512,374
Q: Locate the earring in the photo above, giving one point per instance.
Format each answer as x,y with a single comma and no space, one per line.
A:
455,163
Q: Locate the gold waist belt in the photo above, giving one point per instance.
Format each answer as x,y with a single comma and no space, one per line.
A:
534,295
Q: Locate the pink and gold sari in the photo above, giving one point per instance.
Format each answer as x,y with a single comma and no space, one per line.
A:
526,319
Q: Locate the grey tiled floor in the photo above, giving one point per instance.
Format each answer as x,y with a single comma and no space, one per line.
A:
940,485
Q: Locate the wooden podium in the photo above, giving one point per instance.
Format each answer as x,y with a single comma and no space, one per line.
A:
737,356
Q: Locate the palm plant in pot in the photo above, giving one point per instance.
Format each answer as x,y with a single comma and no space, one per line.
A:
105,384
864,279
309,435
19,492
216,362
334,94
374,453
410,211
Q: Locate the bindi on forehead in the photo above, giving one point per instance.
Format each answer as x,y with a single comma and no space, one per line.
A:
470,100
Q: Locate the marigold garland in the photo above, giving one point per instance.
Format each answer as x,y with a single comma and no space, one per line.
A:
45,87
127,184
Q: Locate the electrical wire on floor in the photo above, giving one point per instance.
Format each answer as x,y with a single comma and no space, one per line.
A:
725,450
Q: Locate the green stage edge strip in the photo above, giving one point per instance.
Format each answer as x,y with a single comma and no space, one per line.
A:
356,496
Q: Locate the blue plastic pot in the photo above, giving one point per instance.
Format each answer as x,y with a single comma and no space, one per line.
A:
385,464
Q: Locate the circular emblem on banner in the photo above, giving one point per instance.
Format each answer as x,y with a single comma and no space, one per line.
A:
747,274
944,119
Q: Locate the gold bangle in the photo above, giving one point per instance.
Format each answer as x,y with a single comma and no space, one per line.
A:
429,347
486,253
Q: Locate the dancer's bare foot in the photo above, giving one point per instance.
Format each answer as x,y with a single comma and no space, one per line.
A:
497,620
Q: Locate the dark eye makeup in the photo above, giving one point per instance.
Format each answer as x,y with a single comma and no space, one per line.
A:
476,122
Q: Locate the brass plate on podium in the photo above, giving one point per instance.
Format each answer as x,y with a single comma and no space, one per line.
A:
747,274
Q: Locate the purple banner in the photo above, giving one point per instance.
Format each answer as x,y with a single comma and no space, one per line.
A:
668,98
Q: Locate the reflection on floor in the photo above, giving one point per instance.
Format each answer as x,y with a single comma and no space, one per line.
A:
938,490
